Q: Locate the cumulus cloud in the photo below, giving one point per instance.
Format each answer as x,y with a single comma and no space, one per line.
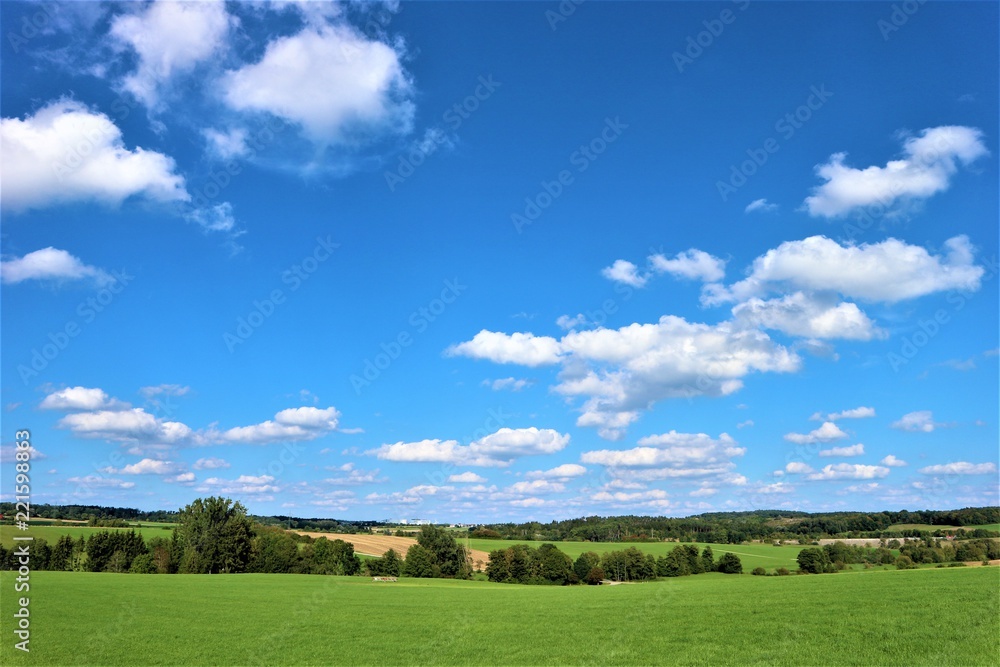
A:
565,471
248,485
622,371
468,477
210,463
127,426
305,423
525,349
892,462
808,316
849,471
686,454
920,421
100,482
960,468
81,398
888,271
65,152
760,205
147,467
861,412
853,450
624,272
50,264
797,468
495,450
336,84
928,163
535,487
828,432
691,264
169,39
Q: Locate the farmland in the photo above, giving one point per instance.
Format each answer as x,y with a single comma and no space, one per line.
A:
376,545
861,617
51,533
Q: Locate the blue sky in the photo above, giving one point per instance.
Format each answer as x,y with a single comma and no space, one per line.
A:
480,262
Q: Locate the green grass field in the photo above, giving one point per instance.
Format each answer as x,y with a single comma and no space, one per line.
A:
52,533
853,618
751,555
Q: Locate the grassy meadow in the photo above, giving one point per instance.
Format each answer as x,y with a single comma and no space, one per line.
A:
911,617
51,532
751,555
899,527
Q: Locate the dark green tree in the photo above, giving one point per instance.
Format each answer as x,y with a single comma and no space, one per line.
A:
419,562
216,536
730,563
587,561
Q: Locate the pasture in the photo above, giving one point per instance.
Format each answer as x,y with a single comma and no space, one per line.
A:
51,533
751,555
856,618
899,527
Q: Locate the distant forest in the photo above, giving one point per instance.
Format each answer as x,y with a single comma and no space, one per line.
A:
737,527
714,527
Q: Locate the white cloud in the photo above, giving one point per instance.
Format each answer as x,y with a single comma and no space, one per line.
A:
703,492
566,322
468,477
828,432
853,450
760,205
624,272
210,463
854,413
921,421
355,477
511,384
164,389
81,398
565,471
622,371
797,468
183,478
849,471
337,85
536,486
217,218
127,426
305,423
745,424
808,316
926,168
961,468
66,153
50,264
226,145
169,39
685,453
892,462
244,484
525,349
495,450
148,467
888,271
691,264
99,481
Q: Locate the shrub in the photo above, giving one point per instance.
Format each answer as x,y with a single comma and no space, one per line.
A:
782,572
905,563
759,571
595,576
730,564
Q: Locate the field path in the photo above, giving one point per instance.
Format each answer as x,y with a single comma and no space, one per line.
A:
376,545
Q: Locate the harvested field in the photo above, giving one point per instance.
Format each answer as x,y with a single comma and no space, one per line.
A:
376,545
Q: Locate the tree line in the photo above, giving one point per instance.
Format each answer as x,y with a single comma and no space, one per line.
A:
523,564
738,527
215,535
837,556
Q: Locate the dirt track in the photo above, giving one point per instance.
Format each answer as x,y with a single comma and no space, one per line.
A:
376,545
